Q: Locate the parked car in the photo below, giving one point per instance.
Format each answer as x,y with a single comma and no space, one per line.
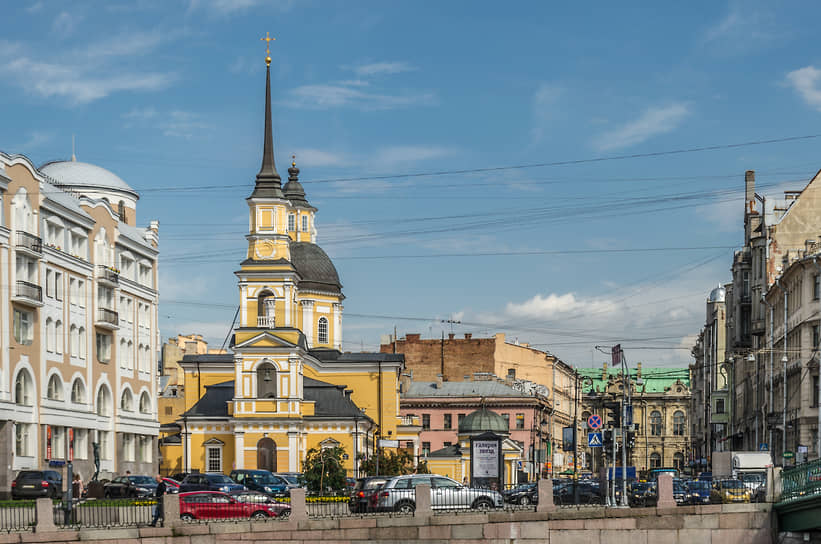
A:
209,482
262,480
292,478
680,494
705,476
130,486
729,491
31,484
180,476
523,494
363,495
399,494
218,505
589,493
699,491
171,485
641,494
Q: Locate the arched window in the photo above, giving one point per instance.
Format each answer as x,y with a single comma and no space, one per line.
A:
78,392
123,356
130,355
54,389
678,461
322,330
266,310
655,460
81,343
73,340
104,401
50,335
678,423
22,389
121,210
266,381
655,423
58,336
145,403
127,401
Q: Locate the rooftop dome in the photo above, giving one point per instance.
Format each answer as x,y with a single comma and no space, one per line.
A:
719,294
315,267
82,174
483,420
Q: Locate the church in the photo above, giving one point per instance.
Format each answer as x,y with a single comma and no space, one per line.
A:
286,386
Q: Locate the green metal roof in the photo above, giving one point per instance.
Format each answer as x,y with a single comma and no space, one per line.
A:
656,380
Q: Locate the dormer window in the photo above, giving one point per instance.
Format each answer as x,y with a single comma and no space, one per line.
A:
266,381
291,222
304,223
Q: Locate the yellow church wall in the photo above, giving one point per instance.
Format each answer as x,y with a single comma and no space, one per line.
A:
171,459
195,385
198,446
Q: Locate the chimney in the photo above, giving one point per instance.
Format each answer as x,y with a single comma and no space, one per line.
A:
604,371
412,337
405,381
638,370
439,380
468,335
450,336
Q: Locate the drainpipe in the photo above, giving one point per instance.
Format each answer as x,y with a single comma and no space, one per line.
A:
772,344
818,356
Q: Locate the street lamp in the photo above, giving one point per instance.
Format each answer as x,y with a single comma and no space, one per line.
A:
784,361
750,359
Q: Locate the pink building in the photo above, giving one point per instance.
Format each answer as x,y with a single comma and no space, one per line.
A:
441,406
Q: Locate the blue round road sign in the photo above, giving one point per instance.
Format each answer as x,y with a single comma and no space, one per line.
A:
594,422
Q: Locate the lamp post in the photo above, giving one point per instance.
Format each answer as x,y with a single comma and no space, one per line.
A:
784,361
583,380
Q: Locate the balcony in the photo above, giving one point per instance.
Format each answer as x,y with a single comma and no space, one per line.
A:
106,274
28,293
265,321
107,319
409,421
29,243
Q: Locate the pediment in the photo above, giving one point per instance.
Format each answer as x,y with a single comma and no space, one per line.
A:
213,442
266,340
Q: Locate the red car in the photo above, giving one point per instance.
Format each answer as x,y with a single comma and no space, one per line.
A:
219,505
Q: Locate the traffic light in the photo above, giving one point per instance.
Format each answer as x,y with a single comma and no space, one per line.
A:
607,441
631,439
613,415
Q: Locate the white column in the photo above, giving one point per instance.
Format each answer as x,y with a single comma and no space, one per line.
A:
308,321
187,445
293,368
288,291
239,449
338,326
293,451
243,314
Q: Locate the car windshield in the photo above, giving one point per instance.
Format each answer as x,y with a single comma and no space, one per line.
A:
219,479
290,479
265,478
752,477
699,486
141,480
732,484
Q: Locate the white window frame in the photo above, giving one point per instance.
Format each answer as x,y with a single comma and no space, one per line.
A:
291,222
305,223
104,350
81,443
319,332
208,459
54,388
78,394
23,327
22,439
59,336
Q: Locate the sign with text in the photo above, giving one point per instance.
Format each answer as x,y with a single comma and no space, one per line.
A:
485,457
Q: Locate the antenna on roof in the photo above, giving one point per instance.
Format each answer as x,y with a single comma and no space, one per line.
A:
73,156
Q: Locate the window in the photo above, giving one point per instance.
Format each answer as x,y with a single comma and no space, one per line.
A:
79,245
81,294
214,459
655,423
678,423
144,270
23,328
816,287
105,297
50,335
104,438
58,337
81,343
23,389
73,341
145,403
426,448
80,443
322,330
21,439
58,442
266,381
425,422
127,402
103,402
507,420
145,449
816,337
128,447
26,269
49,283
655,460
304,223
520,421
678,461
78,392
54,389
459,418
446,444
719,406
291,223
103,347
447,422
121,210
815,391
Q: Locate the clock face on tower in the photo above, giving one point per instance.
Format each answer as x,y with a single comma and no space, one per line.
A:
265,250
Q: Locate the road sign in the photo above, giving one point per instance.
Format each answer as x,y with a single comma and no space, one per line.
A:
594,440
763,447
788,455
594,422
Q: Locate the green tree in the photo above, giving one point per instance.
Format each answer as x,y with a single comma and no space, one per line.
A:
323,470
392,463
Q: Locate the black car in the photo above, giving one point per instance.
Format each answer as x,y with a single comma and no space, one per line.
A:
699,491
362,495
31,484
130,486
523,494
263,481
641,494
209,482
589,493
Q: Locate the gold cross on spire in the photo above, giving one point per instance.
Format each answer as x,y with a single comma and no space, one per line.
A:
267,39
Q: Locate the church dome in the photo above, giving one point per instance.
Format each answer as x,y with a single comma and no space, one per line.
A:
483,420
314,267
719,294
81,175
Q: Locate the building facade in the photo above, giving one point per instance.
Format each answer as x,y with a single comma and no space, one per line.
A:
285,387
661,412
80,342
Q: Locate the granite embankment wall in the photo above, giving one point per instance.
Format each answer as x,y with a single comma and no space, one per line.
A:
716,524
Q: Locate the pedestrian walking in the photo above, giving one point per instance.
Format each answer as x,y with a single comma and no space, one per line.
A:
158,509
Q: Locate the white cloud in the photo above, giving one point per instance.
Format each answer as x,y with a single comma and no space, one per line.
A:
231,7
548,307
745,27
327,96
66,23
805,81
652,122
174,123
318,157
35,7
545,101
378,68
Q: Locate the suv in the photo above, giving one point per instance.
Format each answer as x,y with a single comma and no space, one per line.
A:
31,484
209,482
263,481
399,495
364,493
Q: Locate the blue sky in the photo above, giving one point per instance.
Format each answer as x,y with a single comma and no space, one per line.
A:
169,96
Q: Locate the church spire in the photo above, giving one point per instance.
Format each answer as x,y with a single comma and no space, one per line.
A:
268,182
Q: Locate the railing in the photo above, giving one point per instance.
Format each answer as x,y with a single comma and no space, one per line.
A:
444,500
106,273
104,512
17,516
801,481
266,321
29,290
329,505
409,420
30,242
205,507
105,315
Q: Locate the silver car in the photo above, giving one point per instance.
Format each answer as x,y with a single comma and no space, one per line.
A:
399,494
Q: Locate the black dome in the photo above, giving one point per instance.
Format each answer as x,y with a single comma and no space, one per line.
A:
314,267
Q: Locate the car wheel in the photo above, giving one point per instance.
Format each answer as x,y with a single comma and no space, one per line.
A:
259,514
285,514
482,504
107,494
524,501
405,507
187,517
